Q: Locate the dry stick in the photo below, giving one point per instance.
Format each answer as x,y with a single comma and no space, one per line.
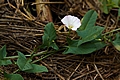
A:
22,2
43,11
19,11
47,3
9,20
107,22
85,74
90,4
115,71
61,77
39,23
67,3
27,49
29,14
11,17
1,5
98,72
75,69
24,14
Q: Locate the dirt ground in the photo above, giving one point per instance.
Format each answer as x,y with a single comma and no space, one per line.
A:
22,26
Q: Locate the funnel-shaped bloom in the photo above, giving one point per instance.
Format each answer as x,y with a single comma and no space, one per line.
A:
71,22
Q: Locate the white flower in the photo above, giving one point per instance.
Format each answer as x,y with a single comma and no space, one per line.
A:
71,22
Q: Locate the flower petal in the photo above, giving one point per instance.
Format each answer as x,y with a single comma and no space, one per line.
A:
76,24
65,21
71,22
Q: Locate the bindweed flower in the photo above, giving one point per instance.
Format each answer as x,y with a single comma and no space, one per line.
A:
71,22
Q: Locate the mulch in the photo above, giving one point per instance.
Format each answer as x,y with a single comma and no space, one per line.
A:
23,32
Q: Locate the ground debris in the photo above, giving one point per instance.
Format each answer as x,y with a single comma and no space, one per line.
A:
22,30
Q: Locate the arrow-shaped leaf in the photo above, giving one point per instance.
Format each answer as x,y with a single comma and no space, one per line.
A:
89,34
3,52
82,49
37,69
85,48
5,62
49,37
13,76
89,20
116,42
23,63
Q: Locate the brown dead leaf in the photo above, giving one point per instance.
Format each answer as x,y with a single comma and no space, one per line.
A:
43,11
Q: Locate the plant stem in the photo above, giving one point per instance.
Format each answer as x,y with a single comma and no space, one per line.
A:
69,33
39,53
111,31
41,58
16,71
48,54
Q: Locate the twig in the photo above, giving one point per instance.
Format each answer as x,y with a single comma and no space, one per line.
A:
1,5
18,18
47,3
76,78
75,69
27,49
98,72
61,77
19,11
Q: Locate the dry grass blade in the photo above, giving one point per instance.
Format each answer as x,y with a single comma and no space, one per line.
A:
79,77
48,3
61,77
75,69
43,11
98,72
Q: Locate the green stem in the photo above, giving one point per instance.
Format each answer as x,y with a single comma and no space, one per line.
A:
69,33
41,58
48,54
39,53
111,31
16,71
32,55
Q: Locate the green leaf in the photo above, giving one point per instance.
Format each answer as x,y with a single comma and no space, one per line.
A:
3,52
89,20
23,63
99,44
119,12
104,6
54,46
85,48
37,69
72,42
5,62
116,42
107,5
13,76
116,3
49,37
45,39
89,34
